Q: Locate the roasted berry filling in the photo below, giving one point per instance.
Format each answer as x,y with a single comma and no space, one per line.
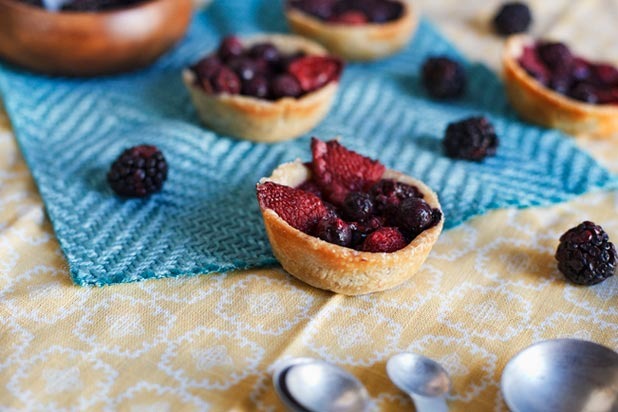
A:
554,66
348,203
263,72
351,12
86,5
585,255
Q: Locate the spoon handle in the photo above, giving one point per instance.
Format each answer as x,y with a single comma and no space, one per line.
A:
426,404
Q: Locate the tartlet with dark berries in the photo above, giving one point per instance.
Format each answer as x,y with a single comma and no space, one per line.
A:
549,85
265,88
357,30
345,223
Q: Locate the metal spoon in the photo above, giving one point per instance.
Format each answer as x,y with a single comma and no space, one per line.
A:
423,379
564,375
313,385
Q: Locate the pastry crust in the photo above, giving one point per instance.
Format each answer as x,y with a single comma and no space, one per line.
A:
336,268
259,120
541,105
357,42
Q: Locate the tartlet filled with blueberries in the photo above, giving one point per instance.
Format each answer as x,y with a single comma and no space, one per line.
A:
345,223
357,30
551,86
265,88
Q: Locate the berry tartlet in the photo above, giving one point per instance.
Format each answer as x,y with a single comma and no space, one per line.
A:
345,223
550,86
266,88
357,30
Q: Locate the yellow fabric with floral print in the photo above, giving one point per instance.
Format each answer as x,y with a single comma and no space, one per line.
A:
489,289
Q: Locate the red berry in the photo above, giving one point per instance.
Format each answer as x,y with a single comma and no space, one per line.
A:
338,171
351,17
313,72
301,210
386,239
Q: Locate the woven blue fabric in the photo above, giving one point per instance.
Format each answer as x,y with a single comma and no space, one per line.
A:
206,219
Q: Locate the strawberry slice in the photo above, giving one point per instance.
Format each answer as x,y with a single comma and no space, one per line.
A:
338,171
313,72
301,210
386,240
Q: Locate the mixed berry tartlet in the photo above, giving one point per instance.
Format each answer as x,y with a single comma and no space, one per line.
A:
266,88
550,86
358,30
345,223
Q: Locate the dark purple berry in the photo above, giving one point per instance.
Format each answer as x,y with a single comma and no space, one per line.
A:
230,47
512,18
256,87
334,230
585,93
585,255
207,67
138,172
225,81
380,11
322,9
264,51
470,139
358,206
561,81
244,67
556,56
414,215
390,192
285,85
443,78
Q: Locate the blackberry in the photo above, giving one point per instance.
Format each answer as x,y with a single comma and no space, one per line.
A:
443,78
512,18
138,172
470,139
585,255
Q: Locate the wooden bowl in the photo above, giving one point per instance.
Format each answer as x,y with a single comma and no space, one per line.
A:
90,43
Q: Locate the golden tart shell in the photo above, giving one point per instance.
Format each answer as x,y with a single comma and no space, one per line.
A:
363,42
336,268
541,105
260,120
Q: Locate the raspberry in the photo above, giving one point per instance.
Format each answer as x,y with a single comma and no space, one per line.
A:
230,47
585,255
351,17
606,74
334,230
338,171
471,139
138,172
443,78
386,239
512,18
301,210
530,61
313,72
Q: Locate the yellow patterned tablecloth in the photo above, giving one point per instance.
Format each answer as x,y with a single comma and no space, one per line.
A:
489,289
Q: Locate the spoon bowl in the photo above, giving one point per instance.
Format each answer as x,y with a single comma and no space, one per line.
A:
423,379
565,375
307,384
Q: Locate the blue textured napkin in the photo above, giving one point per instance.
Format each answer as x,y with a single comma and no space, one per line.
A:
206,219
